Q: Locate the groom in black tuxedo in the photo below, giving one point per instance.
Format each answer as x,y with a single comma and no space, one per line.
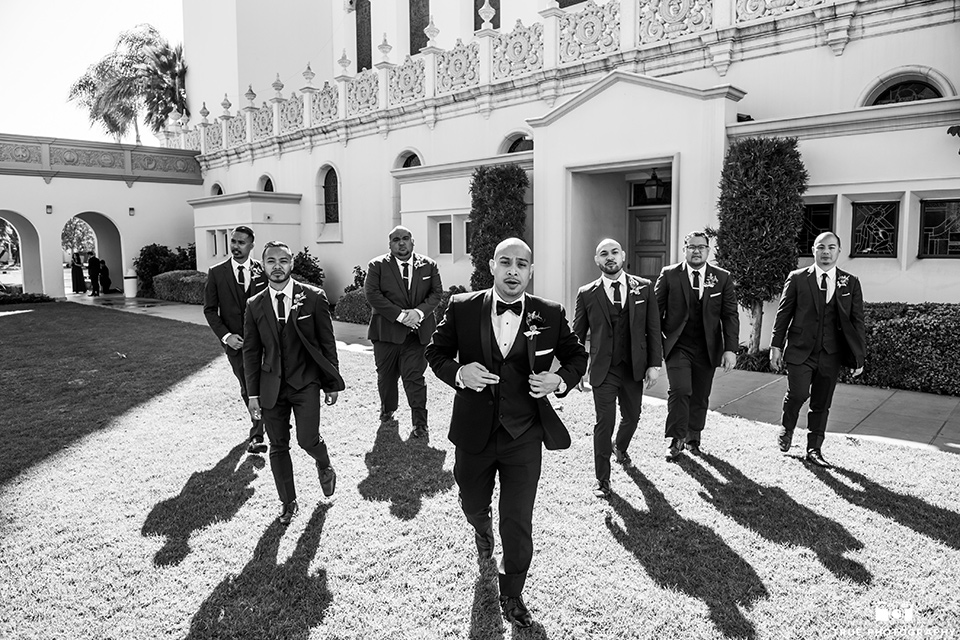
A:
495,347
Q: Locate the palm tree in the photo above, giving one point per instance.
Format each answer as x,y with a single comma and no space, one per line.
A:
142,73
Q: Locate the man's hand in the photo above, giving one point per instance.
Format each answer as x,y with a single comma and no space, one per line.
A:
651,377
475,376
857,371
330,397
776,359
254,407
542,384
234,341
729,361
410,318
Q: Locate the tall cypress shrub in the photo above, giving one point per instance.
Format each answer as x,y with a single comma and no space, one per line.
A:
760,214
497,212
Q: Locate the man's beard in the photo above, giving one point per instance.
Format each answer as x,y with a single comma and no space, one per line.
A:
610,269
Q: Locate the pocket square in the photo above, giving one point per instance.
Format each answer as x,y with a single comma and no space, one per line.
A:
714,295
639,301
844,295
309,315
543,352
426,277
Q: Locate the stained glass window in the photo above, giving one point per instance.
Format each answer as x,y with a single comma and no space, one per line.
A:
940,228
331,197
909,91
523,143
817,218
875,229
412,160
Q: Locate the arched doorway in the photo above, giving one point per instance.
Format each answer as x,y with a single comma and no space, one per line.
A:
30,265
108,247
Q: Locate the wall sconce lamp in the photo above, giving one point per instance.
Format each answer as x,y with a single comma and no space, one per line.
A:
654,187
49,208
131,211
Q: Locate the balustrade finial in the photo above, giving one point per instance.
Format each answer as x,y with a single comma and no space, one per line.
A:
277,86
226,105
385,48
204,112
432,32
486,14
309,75
250,95
344,61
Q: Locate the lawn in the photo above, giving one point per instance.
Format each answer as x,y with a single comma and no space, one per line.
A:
129,510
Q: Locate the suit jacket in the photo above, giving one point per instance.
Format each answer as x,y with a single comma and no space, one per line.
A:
593,313
223,302
721,318
798,317
310,317
466,335
388,296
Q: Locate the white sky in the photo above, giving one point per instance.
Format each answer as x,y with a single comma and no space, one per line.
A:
47,44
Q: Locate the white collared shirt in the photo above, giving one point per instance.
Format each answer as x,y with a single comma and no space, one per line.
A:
831,279
287,292
246,271
608,287
409,263
703,273
506,326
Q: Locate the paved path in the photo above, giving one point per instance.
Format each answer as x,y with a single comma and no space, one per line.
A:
909,417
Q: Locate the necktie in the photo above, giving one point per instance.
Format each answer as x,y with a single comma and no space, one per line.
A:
240,277
696,282
617,300
406,275
281,311
823,286
516,307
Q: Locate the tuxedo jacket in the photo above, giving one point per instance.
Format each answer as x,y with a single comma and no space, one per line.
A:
593,313
798,317
262,364
721,318
224,302
466,335
388,296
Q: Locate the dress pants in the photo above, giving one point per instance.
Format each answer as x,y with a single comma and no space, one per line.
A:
236,361
406,361
305,404
617,385
816,379
518,463
691,379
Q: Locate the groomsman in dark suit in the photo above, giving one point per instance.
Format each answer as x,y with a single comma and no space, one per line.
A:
289,356
495,347
403,288
93,270
701,331
820,318
620,312
229,285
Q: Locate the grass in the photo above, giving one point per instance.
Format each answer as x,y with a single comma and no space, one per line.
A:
148,520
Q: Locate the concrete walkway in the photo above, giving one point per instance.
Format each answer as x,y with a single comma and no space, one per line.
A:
907,417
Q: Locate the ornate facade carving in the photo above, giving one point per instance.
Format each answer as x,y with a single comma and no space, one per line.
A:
458,68
166,164
263,122
236,131
192,140
29,153
291,114
214,137
590,33
518,52
326,104
754,9
406,82
665,19
74,157
362,93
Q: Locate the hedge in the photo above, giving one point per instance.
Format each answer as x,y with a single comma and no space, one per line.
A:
353,307
180,286
24,298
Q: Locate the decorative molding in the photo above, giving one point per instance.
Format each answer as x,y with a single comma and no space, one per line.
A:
77,157
191,140
518,52
26,153
407,82
748,10
458,68
836,21
263,123
164,163
213,137
591,32
236,131
666,19
291,114
719,46
326,104
362,93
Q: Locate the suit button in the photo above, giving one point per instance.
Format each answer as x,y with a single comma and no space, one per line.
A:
489,403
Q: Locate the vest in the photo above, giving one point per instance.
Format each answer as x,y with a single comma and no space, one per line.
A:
514,408
828,333
620,324
693,338
299,369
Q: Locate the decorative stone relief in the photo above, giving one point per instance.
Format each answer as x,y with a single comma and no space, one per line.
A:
263,122
167,164
29,153
665,19
590,33
214,137
518,52
326,104
458,68
755,9
362,92
291,113
236,131
192,140
406,82
74,157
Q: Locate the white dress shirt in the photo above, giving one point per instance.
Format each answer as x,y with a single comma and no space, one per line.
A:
608,287
506,326
703,272
246,272
287,292
831,280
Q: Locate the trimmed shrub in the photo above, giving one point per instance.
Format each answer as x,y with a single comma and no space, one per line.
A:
497,212
445,300
306,268
155,259
353,307
24,298
184,285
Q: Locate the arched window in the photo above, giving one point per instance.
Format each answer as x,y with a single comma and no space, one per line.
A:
331,198
522,143
908,83
412,160
265,183
909,91
217,190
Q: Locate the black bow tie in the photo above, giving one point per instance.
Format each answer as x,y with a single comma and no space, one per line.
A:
516,307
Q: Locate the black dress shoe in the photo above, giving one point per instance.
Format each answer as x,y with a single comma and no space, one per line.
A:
785,439
328,480
420,431
289,510
622,457
256,446
484,544
386,416
602,490
515,611
693,448
675,450
815,457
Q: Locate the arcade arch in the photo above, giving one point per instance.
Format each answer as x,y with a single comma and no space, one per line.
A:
30,263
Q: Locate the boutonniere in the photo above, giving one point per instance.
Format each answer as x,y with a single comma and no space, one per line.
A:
533,321
710,281
635,286
298,301
842,281
256,270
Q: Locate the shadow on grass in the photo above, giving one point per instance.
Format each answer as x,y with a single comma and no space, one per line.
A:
270,600
687,556
772,513
214,495
486,623
68,370
926,519
403,472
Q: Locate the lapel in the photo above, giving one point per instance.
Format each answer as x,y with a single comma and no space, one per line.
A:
841,305
395,269
270,316
815,288
531,343
228,271
600,294
486,329
414,281
628,300
706,292
259,280
685,286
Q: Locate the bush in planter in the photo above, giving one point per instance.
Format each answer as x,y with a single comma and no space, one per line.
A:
180,286
353,307
359,277
23,298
